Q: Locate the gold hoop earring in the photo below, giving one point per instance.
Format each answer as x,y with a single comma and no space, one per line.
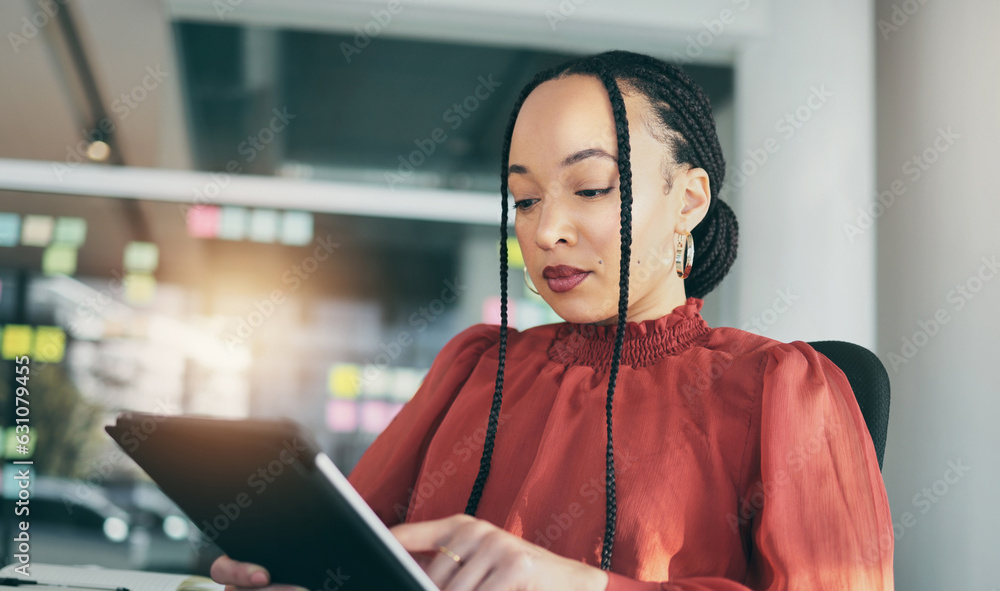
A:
684,255
527,281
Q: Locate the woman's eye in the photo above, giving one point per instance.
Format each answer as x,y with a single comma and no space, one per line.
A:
594,192
524,204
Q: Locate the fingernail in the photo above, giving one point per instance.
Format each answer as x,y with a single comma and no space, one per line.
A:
258,577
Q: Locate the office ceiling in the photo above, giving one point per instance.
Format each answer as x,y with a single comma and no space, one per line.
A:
191,94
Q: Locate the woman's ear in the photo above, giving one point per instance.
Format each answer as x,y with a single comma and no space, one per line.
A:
695,199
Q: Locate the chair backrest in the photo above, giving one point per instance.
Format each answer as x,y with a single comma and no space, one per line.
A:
870,383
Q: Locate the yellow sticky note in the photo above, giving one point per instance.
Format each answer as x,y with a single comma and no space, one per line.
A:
345,380
16,341
50,344
36,230
139,288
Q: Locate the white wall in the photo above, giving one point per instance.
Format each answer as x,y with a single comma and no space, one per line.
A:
797,272
941,69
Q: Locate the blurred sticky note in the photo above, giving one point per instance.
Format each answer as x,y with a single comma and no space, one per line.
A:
341,415
70,231
59,259
16,340
50,344
36,230
378,380
344,380
296,228
141,257
10,229
203,221
140,288
264,225
373,413
233,223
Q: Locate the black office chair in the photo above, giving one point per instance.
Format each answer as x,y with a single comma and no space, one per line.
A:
870,383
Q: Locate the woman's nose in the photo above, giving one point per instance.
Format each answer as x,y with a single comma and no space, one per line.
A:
556,224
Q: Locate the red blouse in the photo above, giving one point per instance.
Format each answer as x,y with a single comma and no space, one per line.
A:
741,462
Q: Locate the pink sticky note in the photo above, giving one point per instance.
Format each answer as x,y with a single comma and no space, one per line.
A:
203,221
341,415
373,414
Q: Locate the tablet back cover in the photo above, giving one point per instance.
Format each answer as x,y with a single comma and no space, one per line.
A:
253,488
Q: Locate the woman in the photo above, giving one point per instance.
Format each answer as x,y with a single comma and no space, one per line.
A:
733,461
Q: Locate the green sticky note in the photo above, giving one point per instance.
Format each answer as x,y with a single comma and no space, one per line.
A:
70,231
141,257
233,223
59,259
10,229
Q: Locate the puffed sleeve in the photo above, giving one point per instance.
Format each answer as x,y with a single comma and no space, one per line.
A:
388,469
813,502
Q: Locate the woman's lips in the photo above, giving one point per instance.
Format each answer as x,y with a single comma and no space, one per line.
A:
561,284
563,277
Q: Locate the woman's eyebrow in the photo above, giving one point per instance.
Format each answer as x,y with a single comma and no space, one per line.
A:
571,159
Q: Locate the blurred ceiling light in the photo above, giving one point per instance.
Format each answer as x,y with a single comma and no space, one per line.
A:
116,529
175,527
98,151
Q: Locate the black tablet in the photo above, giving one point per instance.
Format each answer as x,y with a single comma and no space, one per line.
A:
265,493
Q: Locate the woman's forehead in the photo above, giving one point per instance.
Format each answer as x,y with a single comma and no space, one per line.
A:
563,116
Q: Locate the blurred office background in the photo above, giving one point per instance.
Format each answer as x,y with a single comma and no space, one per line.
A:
286,208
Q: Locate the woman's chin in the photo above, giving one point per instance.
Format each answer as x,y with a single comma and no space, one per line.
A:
579,312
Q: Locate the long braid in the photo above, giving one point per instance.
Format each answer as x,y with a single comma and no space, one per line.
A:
625,189
494,419
684,112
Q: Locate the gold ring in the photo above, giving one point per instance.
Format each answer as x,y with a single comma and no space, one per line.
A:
450,554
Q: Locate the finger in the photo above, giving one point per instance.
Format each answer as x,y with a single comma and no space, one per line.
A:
442,568
468,575
428,535
227,571
474,547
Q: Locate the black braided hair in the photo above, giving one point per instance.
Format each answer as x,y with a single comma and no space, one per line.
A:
684,122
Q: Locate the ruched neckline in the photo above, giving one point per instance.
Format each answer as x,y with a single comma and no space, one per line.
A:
645,342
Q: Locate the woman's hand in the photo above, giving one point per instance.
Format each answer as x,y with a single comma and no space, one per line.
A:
242,576
491,558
